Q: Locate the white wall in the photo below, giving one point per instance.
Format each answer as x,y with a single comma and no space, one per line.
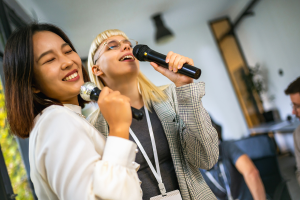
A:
272,39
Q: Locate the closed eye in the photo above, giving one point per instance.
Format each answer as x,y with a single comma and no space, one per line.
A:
50,60
70,51
111,47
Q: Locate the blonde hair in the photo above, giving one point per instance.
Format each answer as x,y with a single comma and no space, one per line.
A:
148,90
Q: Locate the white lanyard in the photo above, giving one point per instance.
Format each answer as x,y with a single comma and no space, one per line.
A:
215,182
156,174
226,181
208,174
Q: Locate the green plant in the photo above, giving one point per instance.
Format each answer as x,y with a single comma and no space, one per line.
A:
255,83
12,156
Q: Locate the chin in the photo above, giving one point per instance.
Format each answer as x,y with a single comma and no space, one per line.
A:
76,88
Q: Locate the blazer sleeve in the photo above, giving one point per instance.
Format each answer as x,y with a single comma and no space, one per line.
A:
68,159
199,137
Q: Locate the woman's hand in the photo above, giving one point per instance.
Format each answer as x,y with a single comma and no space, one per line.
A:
116,110
175,63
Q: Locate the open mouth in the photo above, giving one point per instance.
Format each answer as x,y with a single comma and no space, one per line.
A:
72,76
127,58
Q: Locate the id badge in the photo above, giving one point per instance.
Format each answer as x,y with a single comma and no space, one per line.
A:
174,195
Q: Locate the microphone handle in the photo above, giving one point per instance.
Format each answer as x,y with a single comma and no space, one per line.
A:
160,59
136,114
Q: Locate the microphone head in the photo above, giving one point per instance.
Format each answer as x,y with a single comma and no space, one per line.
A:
86,89
139,50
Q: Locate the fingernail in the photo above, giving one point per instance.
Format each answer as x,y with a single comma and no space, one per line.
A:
167,60
179,67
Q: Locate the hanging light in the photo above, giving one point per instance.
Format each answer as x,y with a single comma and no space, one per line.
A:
163,34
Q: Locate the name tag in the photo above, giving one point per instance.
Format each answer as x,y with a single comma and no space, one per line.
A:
174,195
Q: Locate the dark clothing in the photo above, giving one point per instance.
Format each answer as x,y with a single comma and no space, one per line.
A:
229,153
169,178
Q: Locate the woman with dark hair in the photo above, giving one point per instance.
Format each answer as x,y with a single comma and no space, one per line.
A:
69,158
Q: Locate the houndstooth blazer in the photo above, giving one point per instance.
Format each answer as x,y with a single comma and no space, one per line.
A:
193,141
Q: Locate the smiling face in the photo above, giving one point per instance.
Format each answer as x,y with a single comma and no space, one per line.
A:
57,68
116,64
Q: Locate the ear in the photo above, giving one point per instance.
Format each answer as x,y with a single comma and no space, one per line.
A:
96,70
35,90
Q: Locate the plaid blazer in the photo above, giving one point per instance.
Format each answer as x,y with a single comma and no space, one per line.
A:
193,141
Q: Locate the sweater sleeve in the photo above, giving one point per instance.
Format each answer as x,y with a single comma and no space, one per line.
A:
200,139
69,160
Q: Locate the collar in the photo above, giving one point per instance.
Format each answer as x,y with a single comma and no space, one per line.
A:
75,108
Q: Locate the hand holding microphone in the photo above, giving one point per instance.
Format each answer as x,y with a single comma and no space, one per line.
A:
182,66
90,92
115,108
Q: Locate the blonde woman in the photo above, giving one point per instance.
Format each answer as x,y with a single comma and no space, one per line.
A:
176,134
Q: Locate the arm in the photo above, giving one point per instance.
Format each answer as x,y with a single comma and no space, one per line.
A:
200,139
77,163
251,175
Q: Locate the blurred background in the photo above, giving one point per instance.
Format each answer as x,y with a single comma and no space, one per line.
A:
248,51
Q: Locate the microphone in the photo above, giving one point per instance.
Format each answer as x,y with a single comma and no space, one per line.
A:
90,92
144,53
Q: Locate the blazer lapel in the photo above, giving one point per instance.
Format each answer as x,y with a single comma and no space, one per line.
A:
164,111
168,118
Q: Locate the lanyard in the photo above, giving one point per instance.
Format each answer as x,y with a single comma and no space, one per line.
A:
215,182
155,173
226,181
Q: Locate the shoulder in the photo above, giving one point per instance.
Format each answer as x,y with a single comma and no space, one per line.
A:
56,120
56,113
230,150
171,99
58,125
164,87
168,89
226,145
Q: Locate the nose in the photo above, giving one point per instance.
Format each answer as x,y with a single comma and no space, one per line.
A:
66,62
125,46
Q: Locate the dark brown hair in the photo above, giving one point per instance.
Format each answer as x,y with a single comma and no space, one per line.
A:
22,104
294,87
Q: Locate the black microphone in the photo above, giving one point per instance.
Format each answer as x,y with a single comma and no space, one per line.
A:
90,92
144,53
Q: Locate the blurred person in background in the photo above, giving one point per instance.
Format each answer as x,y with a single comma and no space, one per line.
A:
293,90
235,175
184,136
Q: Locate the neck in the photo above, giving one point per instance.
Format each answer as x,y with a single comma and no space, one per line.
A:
130,90
73,101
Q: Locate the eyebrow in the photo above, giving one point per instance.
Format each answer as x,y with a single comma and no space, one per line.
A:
51,51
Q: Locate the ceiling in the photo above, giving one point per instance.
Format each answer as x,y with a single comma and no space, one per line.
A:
83,20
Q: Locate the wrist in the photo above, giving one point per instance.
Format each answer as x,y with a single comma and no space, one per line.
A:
119,131
183,83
